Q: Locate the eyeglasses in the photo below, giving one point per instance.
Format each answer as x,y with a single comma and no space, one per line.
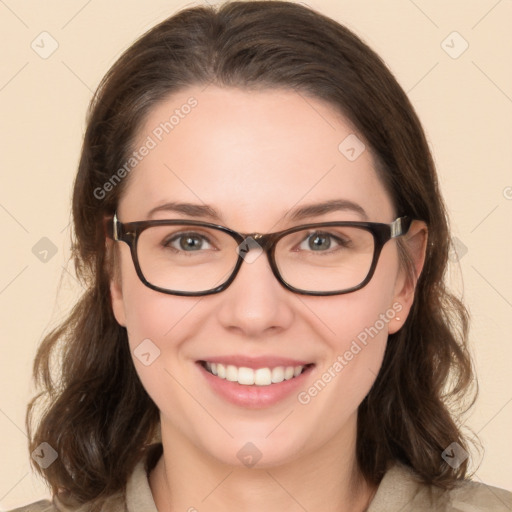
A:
186,257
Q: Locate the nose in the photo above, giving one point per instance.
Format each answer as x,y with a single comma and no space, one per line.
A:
255,302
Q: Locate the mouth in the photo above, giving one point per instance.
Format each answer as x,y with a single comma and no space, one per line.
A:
264,376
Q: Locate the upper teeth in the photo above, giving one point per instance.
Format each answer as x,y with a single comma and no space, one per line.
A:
259,377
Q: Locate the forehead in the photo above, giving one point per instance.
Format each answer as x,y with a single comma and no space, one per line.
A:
252,155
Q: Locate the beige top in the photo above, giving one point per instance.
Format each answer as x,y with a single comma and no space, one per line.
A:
397,492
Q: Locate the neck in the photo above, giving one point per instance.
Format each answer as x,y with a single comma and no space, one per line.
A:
186,479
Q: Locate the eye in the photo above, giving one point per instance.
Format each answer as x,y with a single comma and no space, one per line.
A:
321,241
187,242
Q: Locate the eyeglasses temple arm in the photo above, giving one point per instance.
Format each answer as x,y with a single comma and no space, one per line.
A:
111,226
400,226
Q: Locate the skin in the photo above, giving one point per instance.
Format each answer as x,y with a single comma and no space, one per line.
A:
253,156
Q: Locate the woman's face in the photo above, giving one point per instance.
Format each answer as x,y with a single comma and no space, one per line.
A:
253,157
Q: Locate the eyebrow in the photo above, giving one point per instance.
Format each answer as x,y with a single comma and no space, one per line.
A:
296,214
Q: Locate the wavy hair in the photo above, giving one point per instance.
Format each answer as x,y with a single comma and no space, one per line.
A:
94,410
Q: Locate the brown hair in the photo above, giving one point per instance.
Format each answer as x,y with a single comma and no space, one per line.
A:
96,414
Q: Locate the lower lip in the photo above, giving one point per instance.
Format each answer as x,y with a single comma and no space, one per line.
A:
254,397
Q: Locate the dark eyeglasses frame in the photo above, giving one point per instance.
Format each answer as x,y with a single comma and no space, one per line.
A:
129,233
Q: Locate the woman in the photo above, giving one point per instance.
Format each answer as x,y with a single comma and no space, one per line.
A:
262,237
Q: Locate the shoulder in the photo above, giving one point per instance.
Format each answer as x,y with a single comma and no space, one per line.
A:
114,503
136,496
401,489
39,506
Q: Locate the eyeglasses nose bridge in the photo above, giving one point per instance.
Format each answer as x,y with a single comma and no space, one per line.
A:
263,240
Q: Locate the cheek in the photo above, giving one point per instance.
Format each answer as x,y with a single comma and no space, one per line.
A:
158,327
355,328
359,332
360,316
345,316
349,367
154,321
150,314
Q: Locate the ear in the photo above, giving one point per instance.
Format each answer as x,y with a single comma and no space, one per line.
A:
116,291
416,245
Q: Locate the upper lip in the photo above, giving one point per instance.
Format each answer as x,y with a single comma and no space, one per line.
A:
256,362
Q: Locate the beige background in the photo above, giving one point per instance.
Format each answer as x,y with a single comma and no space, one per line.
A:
465,104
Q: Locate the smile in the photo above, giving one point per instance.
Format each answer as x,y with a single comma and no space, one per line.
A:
249,376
